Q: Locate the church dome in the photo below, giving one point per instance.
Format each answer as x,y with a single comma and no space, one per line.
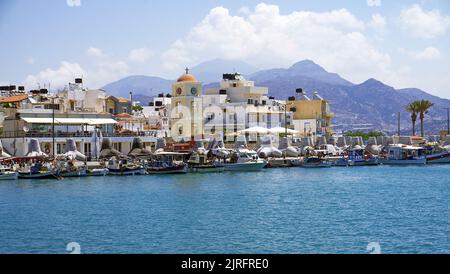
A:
187,78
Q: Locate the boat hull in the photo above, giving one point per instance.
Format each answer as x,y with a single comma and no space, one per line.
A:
40,175
9,176
251,166
206,169
404,162
126,172
370,162
167,170
98,172
78,173
321,165
439,158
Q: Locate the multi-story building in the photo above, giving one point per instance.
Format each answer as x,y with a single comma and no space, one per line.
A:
157,114
311,117
237,104
51,119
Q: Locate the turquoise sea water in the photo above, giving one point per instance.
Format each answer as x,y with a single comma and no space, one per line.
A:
337,210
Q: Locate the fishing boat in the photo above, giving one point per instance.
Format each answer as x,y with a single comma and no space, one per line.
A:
358,158
122,167
7,174
316,162
38,171
437,155
167,163
70,169
343,161
245,160
398,154
199,163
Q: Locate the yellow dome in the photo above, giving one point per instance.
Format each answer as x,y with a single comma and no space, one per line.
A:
187,78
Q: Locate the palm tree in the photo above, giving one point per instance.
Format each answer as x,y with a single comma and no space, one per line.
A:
413,109
422,107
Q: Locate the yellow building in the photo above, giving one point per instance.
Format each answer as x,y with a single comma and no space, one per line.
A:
317,109
187,108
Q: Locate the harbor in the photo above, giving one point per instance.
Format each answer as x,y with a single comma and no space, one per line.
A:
289,210
237,127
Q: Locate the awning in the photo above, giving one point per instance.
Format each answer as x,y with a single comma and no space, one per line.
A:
70,121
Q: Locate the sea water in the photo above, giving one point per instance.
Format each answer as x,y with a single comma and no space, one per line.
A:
336,210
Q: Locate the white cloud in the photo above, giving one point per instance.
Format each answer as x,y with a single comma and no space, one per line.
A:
73,3
427,54
378,23
30,61
423,24
95,52
140,55
373,3
56,77
266,38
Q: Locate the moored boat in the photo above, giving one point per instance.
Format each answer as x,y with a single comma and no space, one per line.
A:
166,163
404,155
439,158
199,162
122,167
316,162
358,158
8,174
39,171
245,160
437,155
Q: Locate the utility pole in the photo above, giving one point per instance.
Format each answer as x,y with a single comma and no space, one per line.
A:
53,126
448,121
398,130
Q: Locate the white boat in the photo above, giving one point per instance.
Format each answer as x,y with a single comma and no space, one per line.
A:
124,168
398,154
8,174
245,160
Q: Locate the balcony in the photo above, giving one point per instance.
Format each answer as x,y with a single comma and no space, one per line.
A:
37,134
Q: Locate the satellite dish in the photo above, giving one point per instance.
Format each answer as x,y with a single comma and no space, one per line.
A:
26,129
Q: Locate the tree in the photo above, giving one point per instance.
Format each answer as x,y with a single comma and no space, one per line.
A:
137,108
364,135
412,108
422,108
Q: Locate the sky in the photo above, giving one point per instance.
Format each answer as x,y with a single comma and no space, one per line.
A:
402,43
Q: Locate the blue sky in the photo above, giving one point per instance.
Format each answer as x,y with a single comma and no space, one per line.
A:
402,43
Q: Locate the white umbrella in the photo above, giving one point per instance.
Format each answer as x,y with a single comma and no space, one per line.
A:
277,130
255,130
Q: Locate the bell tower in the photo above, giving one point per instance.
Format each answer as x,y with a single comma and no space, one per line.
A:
187,108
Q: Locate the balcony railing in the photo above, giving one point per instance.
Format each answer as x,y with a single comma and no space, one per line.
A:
33,134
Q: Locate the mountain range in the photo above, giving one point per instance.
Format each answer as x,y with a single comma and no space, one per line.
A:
368,105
